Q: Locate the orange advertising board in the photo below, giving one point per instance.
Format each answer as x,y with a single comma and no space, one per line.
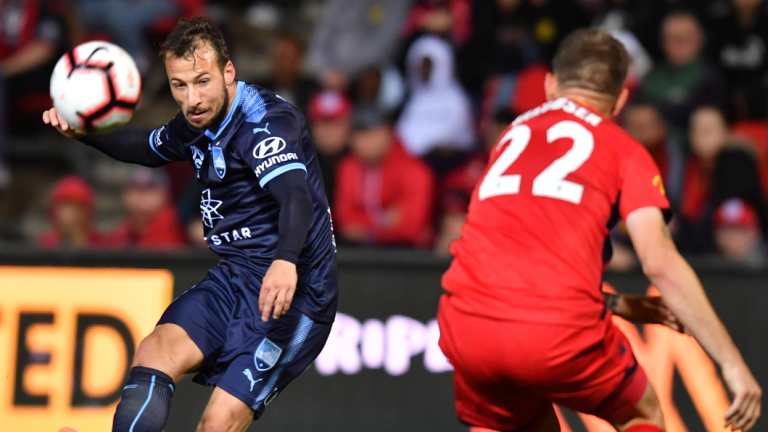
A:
67,337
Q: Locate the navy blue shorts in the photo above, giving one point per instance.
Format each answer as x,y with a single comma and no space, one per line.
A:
249,359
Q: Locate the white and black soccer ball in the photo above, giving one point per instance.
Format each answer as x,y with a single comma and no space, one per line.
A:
95,86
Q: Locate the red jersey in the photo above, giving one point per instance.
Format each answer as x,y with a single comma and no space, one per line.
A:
532,246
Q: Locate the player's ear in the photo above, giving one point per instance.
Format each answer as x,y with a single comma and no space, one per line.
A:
550,86
620,102
229,73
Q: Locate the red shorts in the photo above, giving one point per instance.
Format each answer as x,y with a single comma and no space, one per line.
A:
508,374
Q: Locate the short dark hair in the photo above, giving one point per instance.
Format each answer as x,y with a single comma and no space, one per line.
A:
591,59
187,36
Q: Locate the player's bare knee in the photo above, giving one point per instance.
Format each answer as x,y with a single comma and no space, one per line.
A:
650,408
222,420
167,349
647,411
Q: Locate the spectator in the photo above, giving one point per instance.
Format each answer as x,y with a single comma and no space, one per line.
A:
684,80
500,46
32,35
286,77
329,116
457,187
736,175
520,92
127,22
644,122
379,88
550,21
71,216
707,136
354,35
436,123
740,46
384,196
447,18
718,169
150,219
737,233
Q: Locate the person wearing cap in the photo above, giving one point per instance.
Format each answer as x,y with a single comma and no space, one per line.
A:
150,220
71,216
737,232
384,196
329,117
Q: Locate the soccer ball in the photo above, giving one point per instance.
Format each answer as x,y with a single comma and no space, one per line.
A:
95,86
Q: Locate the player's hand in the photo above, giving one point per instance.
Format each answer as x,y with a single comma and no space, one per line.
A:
645,310
745,408
277,289
52,117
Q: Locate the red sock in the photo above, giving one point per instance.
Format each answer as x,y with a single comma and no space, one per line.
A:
644,428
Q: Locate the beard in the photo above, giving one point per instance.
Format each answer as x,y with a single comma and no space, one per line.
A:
216,121
219,117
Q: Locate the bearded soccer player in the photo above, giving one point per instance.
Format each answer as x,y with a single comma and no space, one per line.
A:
264,312
522,318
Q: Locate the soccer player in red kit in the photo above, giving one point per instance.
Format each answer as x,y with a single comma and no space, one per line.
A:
523,319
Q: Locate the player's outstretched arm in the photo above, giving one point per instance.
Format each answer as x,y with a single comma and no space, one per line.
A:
126,145
642,309
683,293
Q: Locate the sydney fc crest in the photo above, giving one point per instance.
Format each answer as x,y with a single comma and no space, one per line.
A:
266,355
219,164
268,147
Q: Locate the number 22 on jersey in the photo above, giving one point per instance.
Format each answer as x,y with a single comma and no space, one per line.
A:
551,181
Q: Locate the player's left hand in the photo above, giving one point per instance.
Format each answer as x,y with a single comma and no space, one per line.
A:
277,289
645,310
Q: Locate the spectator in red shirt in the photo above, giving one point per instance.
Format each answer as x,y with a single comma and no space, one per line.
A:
737,232
718,168
150,220
384,196
71,216
329,118
32,34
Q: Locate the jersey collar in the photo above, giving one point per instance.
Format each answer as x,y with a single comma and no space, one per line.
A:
213,136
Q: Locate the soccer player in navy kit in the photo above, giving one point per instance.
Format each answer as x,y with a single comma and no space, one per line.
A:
263,313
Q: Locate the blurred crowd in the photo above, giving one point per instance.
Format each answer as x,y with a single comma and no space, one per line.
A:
404,99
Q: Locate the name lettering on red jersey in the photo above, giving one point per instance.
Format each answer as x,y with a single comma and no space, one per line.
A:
565,105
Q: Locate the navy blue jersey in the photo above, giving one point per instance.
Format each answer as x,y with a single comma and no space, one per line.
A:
261,137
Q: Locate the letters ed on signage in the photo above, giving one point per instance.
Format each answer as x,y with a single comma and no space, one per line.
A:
69,335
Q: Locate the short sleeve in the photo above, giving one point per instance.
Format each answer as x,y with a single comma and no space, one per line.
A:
642,185
167,141
274,147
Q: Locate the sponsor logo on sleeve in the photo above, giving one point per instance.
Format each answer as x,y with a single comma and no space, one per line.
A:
268,147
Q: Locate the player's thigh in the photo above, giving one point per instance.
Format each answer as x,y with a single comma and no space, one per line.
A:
606,381
192,329
225,412
278,353
486,393
168,349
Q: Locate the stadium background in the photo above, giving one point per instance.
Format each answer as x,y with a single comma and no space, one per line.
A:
399,181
